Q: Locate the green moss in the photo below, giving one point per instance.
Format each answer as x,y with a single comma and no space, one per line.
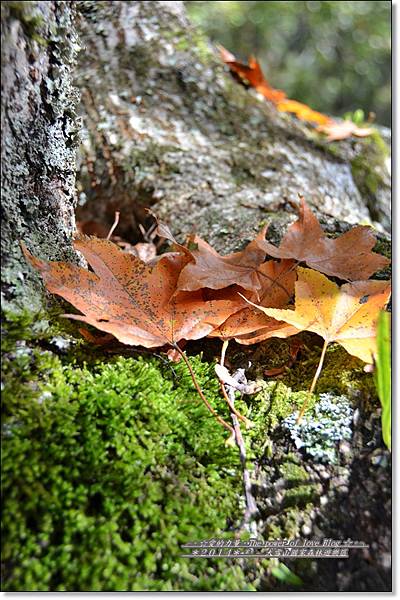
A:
107,470
293,473
272,404
300,496
297,493
31,22
342,374
367,165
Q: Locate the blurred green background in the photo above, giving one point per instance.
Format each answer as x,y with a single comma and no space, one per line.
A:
333,55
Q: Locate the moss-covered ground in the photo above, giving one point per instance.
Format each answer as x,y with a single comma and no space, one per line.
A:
109,466
111,463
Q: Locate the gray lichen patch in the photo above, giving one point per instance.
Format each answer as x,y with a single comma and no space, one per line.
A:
321,431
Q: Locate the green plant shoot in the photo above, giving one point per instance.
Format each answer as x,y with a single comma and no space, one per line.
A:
383,374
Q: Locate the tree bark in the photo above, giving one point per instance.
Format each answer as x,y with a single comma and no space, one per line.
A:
166,126
39,141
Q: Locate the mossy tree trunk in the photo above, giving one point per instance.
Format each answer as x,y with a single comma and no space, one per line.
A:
40,137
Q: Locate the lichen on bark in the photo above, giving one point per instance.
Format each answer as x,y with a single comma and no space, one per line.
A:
40,133
166,126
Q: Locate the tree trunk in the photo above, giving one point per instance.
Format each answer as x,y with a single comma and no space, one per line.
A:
166,126
40,137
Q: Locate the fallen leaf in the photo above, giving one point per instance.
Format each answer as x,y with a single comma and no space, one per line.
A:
249,325
253,75
211,270
341,130
304,112
346,315
348,256
131,300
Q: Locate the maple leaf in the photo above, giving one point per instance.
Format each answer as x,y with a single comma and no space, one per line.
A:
131,300
340,131
249,325
211,270
346,315
304,112
253,74
348,256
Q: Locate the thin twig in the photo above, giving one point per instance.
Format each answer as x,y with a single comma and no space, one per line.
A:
314,382
245,420
199,391
251,506
114,225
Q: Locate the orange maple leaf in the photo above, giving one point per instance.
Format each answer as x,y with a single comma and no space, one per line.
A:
249,325
131,300
346,315
304,112
253,75
211,270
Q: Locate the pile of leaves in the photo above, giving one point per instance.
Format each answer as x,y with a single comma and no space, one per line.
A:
260,292
252,76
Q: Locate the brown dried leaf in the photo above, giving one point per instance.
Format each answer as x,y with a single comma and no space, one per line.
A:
131,300
249,325
348,256
211,270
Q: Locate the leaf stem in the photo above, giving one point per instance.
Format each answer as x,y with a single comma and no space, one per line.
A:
114,225
314,381
199,391
223,352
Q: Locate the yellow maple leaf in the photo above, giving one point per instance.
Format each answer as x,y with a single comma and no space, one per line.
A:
346,315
